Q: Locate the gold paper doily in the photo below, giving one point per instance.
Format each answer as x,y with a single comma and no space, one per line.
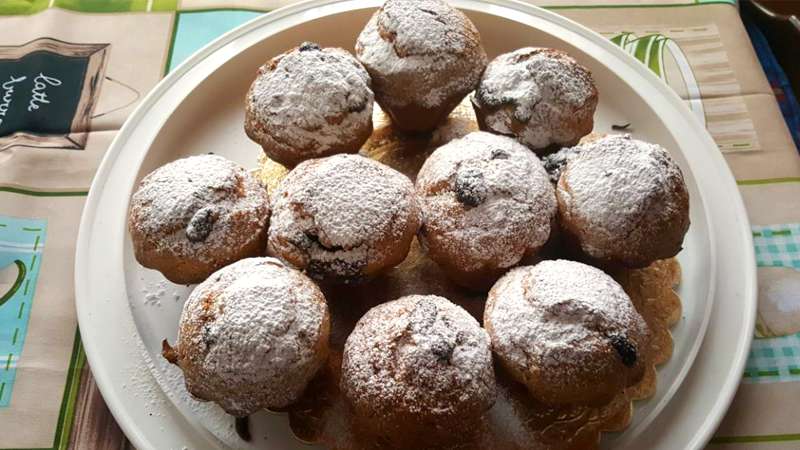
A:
516,421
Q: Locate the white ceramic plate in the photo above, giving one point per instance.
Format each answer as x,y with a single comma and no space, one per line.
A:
125,311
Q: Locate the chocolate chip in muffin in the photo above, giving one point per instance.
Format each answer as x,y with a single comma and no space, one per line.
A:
201,224
443,349
499,153
625,349
470,187
317,269
554,163
423,316
306,46
423,320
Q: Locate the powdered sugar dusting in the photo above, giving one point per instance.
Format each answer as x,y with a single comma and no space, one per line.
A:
560,315
419,354
198,207
250,336
338,212
424,40
545,90
424,27
312,99
486,197
619,189
154,292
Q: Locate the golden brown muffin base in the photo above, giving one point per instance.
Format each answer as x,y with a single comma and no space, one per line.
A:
517,421
180,270
480,279
293,156
413,119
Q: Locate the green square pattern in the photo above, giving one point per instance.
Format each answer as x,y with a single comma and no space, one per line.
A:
775,359
777,245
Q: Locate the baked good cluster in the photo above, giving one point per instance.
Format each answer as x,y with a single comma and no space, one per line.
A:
523,210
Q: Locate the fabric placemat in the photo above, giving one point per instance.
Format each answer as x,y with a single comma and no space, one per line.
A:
75,63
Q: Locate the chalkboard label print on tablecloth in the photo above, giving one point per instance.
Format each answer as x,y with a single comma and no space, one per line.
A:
48,90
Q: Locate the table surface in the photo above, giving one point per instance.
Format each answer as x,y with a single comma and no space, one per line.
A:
75,61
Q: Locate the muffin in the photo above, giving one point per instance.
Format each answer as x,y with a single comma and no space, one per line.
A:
423,56
623,202
343,218
486,204
540,96
309,102
195,215
567,331
251,336
418,367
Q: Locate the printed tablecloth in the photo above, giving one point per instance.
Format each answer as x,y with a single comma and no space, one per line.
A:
71,71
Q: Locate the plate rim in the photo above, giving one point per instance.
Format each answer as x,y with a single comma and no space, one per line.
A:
101,177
